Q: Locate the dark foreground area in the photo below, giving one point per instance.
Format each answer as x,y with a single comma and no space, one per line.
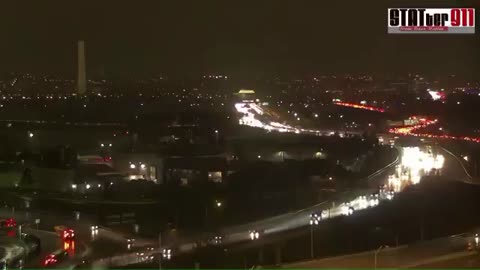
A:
434,208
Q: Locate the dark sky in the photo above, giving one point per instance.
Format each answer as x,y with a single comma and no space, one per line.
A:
247,37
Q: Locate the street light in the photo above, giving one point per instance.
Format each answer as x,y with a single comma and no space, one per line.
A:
314,220
132,166
102,145
376,253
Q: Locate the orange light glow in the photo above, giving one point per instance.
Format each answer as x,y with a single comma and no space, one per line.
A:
359,106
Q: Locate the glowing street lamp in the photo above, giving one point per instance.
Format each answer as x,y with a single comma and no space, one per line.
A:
314,220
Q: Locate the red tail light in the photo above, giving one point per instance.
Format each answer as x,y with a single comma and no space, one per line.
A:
10,223
68,234
50,259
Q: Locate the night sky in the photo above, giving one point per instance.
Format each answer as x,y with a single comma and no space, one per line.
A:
240,37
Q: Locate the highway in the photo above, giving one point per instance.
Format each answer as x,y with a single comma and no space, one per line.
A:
408,169
459,173
433,252
252,115
462,259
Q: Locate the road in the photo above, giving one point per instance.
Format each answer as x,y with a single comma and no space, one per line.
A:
463,259
460,172
424,253
102,243
361,199
11,247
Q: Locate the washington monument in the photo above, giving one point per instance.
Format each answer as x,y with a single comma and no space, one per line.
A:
82,76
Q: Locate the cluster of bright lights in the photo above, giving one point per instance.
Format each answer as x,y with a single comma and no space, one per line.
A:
134,166
436,95
254,235
360,106
130,243
462,138
414,164
408,130
347,210
144,257
422,123
217,240
251,111
68,234
167,253
315,219
50,259
94,230
10,223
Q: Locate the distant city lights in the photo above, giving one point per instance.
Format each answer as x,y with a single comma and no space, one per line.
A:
423,123
436,95
359,106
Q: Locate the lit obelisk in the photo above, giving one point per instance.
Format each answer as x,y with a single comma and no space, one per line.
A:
82,76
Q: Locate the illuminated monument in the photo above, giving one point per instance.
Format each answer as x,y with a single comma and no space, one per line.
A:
81,76
246,96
